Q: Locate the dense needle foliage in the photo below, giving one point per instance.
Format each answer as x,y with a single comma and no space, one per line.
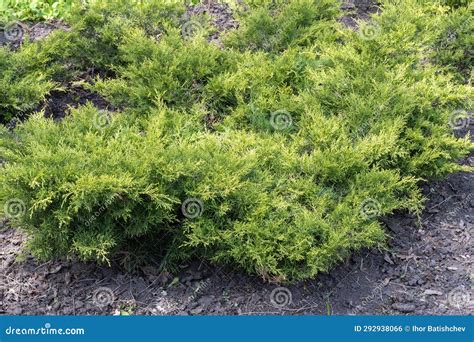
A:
275,151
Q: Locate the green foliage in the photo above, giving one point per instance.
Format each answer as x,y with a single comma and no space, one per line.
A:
274,28
29,74
276,152
156,72
263,207
457,3
23,87
33,9
72,198
454,48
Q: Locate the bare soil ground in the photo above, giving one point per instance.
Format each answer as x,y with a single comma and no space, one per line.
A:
356,10
15,33
220,14
59,103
